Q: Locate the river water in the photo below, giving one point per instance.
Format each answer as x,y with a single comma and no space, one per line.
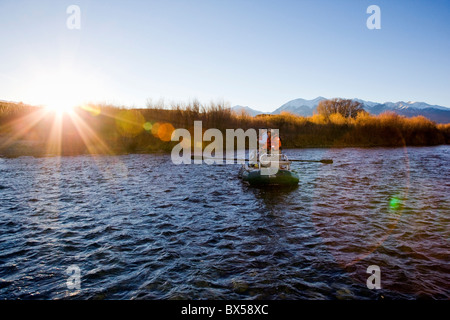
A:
139,227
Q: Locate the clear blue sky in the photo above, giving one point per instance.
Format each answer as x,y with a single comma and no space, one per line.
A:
248,52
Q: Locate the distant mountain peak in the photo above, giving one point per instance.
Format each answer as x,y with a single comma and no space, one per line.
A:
252,112
306,108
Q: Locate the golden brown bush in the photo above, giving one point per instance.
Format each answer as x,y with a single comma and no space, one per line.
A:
119,129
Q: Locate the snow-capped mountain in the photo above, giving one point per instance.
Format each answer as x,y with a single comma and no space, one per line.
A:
411,104
307,108
298,106
365,103
435,113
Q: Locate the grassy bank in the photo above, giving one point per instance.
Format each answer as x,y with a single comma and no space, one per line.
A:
104,129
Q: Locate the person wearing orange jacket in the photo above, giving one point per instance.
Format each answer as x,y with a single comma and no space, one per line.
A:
276,143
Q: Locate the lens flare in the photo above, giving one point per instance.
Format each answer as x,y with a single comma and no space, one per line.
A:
155,129
92,109
148,126
130,123
165,131
395,204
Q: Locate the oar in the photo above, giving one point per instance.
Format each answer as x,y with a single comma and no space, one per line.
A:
200,157
327,161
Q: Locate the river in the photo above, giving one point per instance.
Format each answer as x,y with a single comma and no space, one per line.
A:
139,227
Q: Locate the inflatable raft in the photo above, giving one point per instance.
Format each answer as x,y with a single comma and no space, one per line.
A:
254,177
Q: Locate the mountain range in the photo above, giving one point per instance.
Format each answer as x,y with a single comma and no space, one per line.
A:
307,108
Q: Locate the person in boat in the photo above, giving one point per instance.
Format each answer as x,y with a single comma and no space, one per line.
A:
276,144
264,146
276,148
269,144
263,139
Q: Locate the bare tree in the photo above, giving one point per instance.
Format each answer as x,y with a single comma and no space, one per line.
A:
346,107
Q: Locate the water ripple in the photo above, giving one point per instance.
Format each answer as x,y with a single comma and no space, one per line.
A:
141,228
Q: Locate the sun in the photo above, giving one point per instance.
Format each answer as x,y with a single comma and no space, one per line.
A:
60,107
63,93
60,92
63,90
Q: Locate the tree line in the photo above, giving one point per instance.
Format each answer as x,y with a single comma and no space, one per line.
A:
108,129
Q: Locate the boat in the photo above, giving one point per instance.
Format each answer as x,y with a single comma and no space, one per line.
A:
253,175
255,170
281,178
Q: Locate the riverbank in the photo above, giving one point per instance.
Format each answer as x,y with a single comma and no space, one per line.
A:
111,130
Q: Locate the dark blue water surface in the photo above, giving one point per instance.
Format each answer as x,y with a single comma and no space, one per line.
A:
139,227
